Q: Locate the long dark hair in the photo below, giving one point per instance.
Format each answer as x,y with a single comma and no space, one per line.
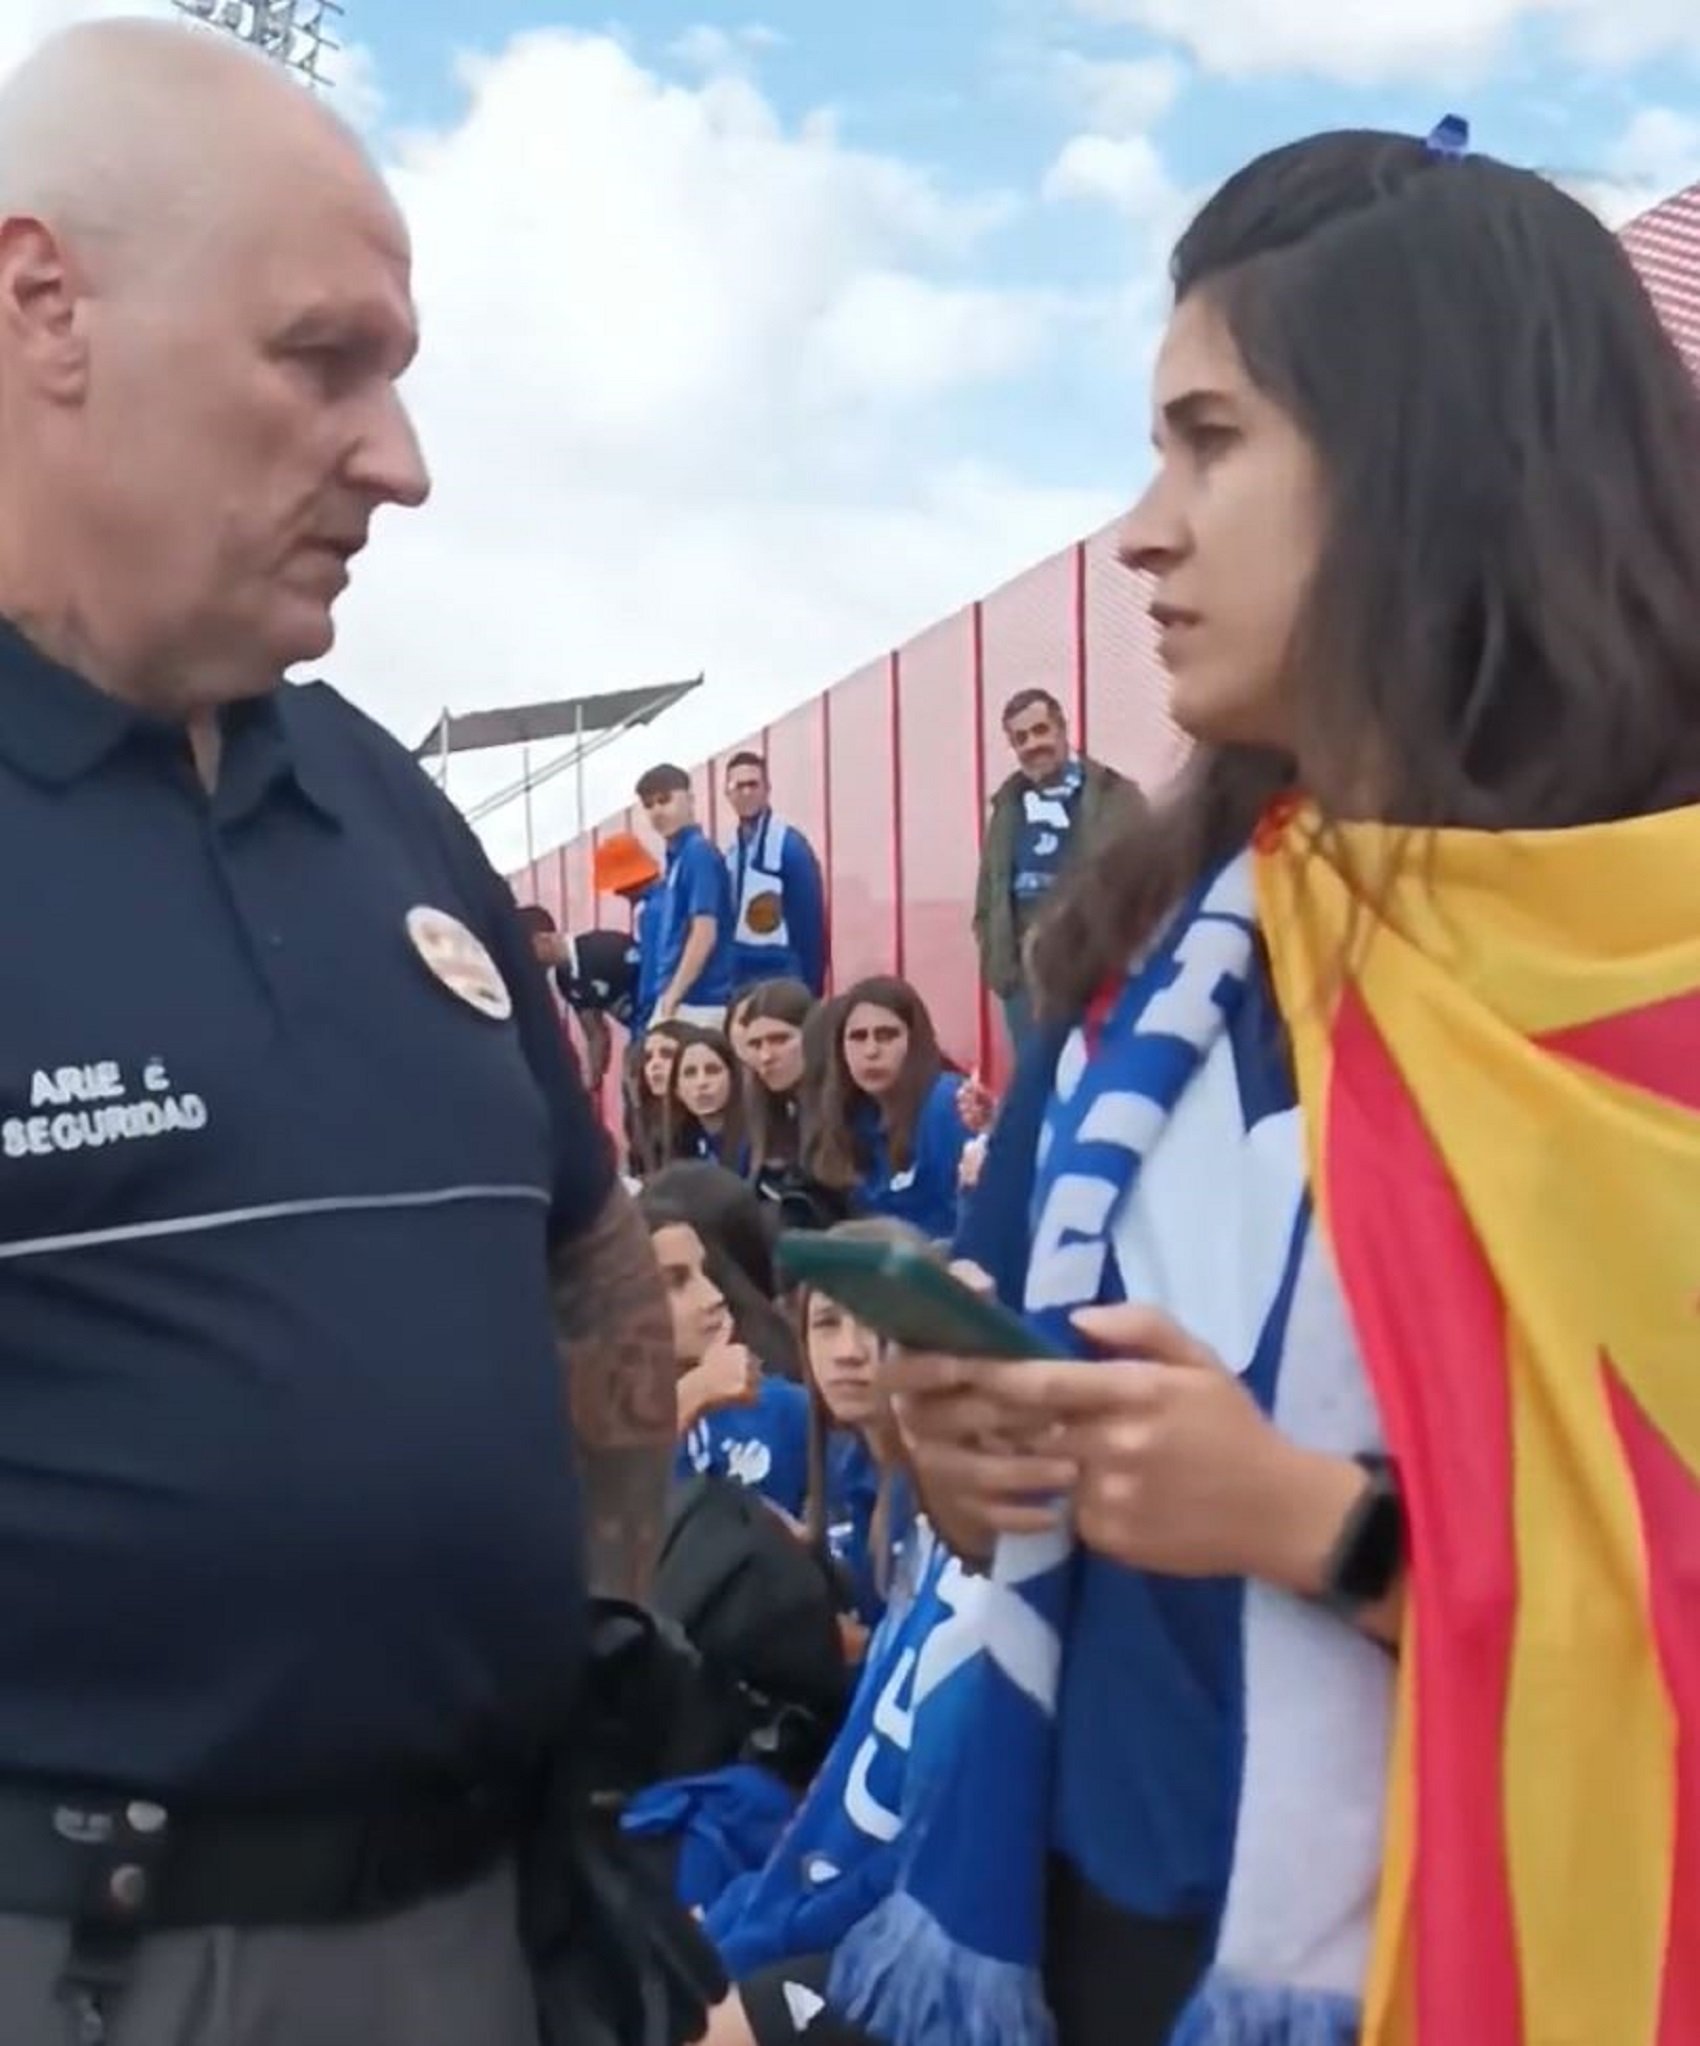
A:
684,1135
775,1120
646,1118
835,1153
738,1230
1504,625
884,1229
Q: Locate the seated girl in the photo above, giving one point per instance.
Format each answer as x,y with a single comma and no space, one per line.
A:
887,1127
776,1927
736,1419
705,1101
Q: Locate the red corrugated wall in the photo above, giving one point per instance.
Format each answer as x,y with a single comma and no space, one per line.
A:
889,772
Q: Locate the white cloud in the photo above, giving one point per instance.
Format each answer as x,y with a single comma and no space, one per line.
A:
1657,153
1415,40
689,389
1124,171
1117,96
713,50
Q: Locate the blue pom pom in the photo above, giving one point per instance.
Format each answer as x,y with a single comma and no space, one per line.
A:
1450,137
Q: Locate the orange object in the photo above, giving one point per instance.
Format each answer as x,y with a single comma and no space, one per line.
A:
621,865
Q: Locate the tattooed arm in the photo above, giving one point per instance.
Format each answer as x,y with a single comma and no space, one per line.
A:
616,1339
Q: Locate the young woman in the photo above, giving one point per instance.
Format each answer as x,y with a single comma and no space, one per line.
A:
739,1230
858,1498
784,1042
705,1102
1307,1170
737,1021
888,1130
774,1014
776,1927
648,1083
735,1419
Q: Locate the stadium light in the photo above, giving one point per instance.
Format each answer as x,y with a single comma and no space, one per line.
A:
294,33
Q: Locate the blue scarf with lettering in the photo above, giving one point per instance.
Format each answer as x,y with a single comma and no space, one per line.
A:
956,1952
838,1858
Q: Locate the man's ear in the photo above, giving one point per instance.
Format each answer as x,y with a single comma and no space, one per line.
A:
43,301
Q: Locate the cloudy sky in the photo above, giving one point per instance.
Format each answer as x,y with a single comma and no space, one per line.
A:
758,335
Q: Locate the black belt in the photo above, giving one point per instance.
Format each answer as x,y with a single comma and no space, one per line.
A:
138,1862
117,1869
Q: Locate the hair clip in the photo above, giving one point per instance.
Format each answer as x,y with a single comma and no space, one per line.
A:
1449,138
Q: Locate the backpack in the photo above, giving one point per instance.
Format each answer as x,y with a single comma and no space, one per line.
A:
762,1609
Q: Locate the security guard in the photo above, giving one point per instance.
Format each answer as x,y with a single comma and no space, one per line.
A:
301,1209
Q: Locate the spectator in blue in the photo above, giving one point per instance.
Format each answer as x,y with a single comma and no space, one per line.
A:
777,895
889,1128
735,1419
705,1102
691,967
859,1499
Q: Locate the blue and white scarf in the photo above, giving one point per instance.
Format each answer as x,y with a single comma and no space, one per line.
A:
956,1953
838,1859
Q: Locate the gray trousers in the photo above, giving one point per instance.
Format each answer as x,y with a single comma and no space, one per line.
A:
448,1973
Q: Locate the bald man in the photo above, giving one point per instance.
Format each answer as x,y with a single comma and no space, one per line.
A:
313,1274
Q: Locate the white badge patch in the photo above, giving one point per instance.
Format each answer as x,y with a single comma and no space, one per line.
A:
802,2005
460,962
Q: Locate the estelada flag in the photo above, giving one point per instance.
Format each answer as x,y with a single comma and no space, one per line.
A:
1497,1041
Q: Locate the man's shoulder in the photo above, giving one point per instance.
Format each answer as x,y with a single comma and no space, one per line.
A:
376,775
1103,777
347,739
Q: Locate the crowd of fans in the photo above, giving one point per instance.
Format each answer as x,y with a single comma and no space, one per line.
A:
752,1101
455,1600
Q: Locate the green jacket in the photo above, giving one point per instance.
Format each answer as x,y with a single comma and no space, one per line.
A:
1107,800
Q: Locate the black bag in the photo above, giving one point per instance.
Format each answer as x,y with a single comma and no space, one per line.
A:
617,1960
761,1607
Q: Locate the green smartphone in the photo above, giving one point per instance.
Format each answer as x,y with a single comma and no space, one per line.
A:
907,1297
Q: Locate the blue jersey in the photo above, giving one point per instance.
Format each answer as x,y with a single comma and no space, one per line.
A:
724,1825
924,1192
839,1857
852,1493
696,884
764,1446
648,915
779,905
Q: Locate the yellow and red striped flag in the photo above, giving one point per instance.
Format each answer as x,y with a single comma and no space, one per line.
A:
1501,1092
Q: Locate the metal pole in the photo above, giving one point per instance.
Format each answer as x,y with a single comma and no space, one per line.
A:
525,776
578,768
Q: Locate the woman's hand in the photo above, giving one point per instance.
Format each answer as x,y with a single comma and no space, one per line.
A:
982,1471
1179,1470
976,1105
1163,1457
727,1377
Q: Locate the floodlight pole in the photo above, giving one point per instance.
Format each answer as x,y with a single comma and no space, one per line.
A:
294,33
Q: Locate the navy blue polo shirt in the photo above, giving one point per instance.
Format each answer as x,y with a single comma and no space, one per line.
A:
287,1504
696,884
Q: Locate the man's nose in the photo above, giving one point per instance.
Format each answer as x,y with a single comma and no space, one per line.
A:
390,464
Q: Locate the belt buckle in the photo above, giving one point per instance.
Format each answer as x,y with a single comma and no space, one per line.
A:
122,1846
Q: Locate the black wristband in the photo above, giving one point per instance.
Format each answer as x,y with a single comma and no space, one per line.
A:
1369,1552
